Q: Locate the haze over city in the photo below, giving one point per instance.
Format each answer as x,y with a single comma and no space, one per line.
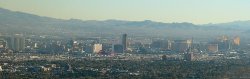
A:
193,11
124,39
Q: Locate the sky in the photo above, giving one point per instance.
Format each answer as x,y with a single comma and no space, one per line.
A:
194,11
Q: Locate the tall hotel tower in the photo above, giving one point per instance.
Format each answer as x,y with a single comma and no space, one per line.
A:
124,42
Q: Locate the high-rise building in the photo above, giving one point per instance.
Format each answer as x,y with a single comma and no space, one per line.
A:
189,56
222,38
17,43
124,42
35,45
212,47
224,45
97,48
71,44
236,41
161,44
181,45
117,48
9,42
2,43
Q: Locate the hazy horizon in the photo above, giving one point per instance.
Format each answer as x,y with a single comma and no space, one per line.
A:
167,11
124,39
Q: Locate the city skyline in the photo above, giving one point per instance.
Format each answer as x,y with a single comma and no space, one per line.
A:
193,11
124,39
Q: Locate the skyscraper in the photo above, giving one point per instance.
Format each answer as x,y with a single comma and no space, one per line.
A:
124,41
189,56
97,48
224,45
161,44
236,41
212,48
181,45
17,43
117,48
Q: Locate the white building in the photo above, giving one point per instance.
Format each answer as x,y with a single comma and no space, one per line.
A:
1,69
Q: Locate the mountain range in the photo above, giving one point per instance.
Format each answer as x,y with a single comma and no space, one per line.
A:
20,22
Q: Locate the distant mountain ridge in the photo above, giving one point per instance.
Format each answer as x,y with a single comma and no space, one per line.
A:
19,22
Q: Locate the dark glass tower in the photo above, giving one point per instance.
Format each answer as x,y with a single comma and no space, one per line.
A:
124,41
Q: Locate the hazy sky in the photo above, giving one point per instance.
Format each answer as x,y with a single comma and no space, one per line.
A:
195,11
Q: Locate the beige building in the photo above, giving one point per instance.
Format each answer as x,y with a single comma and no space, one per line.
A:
236,41
212,47
97,48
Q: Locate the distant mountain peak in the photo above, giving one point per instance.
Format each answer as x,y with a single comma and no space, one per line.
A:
20,22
